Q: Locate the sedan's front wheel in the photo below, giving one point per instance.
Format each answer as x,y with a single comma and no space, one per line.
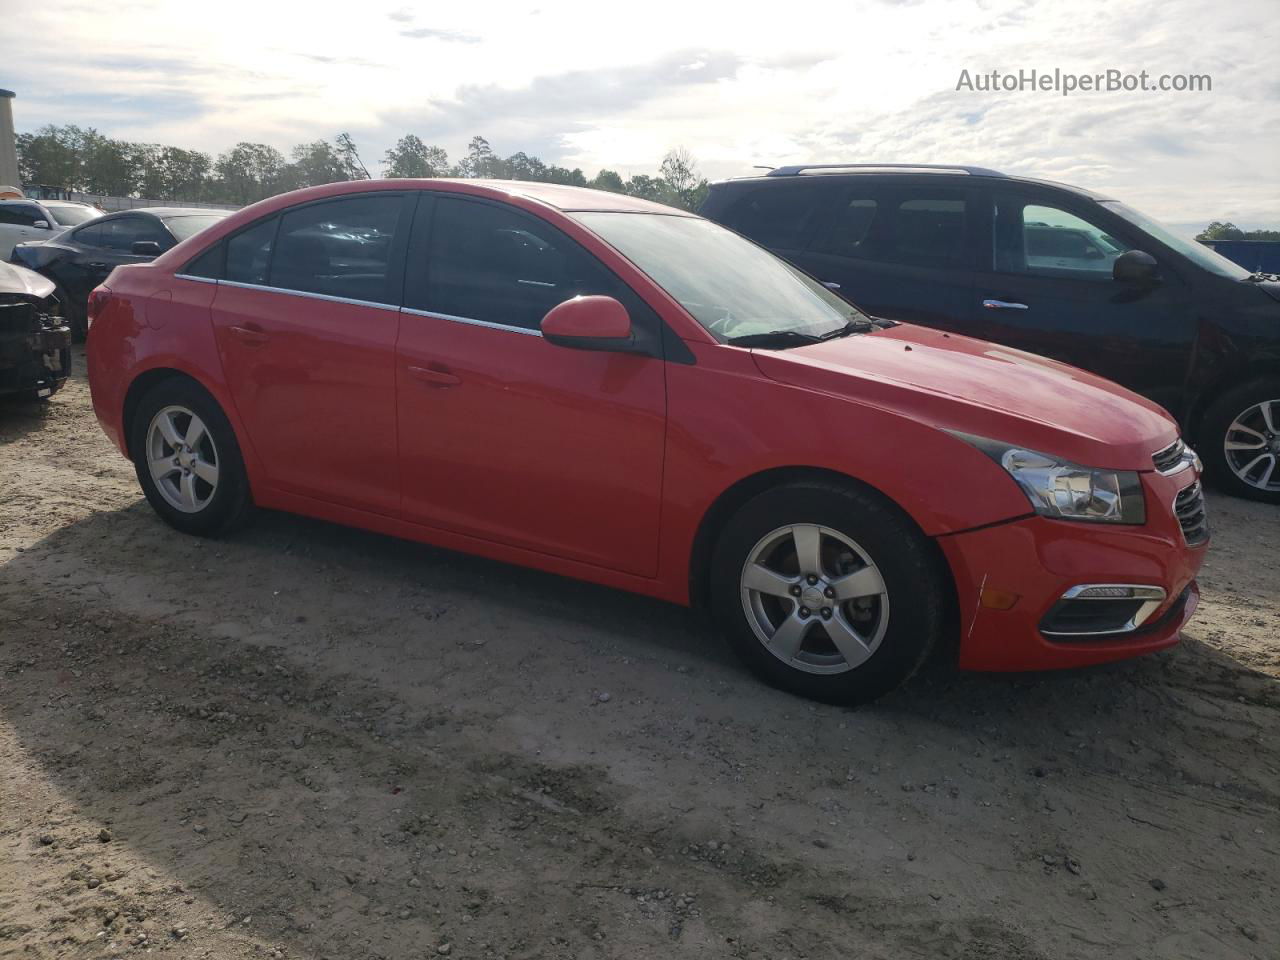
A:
827,591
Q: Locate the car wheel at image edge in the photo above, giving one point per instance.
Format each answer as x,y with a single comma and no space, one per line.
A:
1240,440
828,591
187,459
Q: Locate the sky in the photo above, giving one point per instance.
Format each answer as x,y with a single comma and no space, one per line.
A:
738,84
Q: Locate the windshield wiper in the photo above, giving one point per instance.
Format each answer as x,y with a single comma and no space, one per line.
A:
1261,278
774,339
853,325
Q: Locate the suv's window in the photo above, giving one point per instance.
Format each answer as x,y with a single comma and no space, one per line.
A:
1051,242
850,234
249,253
778,217
340,248
123,232
20,214
930,230
490,263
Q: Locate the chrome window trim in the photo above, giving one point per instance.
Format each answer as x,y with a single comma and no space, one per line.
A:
1152,596
309,295
468,320
187,276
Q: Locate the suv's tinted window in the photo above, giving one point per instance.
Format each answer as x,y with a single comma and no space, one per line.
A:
340,248
249,252
850,231
1051,242
779,216
20,214
491,263
930,230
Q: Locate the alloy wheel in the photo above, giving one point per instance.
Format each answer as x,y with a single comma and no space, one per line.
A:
1252,445
182,459
814,598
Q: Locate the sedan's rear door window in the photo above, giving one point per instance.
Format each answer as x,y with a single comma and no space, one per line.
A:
339,248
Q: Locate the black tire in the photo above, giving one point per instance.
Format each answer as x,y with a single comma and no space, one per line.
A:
1214,427
229,504
908,565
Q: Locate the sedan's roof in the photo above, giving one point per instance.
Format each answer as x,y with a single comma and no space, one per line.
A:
569,199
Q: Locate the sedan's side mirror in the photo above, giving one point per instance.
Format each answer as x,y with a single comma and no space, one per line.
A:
1134,266
589,323
41,225
146,248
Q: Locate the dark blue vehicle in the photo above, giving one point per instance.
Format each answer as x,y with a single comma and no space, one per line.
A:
1259,256
1053,269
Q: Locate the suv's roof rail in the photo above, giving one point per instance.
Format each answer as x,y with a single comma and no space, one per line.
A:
819,169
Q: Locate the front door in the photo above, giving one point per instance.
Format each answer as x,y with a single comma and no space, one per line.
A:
1050,291
504,436
306,316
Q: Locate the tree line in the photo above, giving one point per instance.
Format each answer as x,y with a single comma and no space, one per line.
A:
1218,230
84,160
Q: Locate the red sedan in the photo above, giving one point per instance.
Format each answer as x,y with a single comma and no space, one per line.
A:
614,390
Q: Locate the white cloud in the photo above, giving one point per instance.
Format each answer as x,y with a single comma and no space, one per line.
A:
590,86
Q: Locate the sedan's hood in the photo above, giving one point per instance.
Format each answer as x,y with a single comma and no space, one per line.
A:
971,386
24,282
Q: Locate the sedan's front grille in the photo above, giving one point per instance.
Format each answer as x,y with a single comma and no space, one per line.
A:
1170,458
1189,506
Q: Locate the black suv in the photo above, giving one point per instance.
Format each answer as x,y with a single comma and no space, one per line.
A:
1049,268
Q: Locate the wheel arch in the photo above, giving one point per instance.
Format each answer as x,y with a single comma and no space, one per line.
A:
739,493
148,379
1261,369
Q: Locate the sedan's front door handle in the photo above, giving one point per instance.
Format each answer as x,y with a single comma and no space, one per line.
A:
435,377
250,335
1004,305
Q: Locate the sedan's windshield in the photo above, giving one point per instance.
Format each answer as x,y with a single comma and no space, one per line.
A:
187,226
731,286
1210,260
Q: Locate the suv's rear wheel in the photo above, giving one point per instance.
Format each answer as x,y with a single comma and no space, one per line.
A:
827,591
187,459
1240,440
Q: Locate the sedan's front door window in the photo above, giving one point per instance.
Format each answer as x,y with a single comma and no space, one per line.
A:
493,264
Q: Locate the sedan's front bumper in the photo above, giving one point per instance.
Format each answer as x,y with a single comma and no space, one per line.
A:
1011,576
35,360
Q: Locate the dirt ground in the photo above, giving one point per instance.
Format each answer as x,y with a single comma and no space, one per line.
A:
308,741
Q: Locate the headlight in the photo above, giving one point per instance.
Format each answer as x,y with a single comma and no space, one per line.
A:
1064,490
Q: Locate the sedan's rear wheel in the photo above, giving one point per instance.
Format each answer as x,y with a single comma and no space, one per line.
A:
827,591
187,459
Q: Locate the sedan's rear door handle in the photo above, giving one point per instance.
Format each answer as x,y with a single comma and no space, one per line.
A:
436,377
250,335
1004,305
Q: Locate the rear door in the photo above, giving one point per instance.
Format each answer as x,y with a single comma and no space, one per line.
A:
306,317
504,436
1049,289
18,224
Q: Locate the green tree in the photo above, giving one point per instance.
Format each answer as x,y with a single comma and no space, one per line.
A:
607,180
410,157
680,172
248,172
312,164
50,156
1218,230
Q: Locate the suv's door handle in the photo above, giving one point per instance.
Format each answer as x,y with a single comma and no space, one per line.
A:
96,265
830,284
250,335
436,377
1004,305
